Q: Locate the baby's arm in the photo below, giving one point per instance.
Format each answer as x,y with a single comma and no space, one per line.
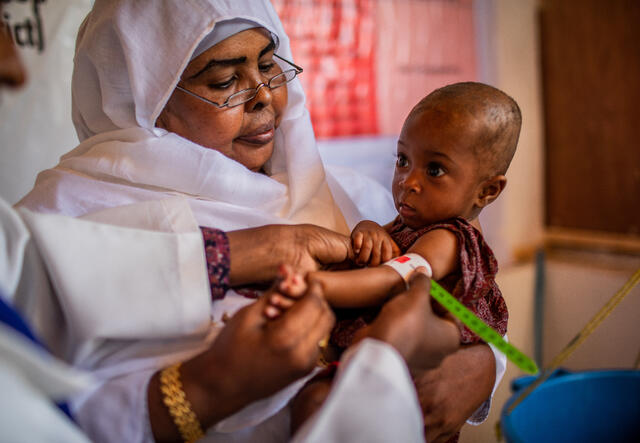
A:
440,248
372,286
358,288
372,244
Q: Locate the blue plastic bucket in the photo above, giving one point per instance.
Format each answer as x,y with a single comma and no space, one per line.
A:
592,406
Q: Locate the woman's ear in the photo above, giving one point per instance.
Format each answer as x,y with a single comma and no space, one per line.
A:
490,189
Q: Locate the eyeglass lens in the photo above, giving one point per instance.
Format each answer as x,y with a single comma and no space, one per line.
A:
275,82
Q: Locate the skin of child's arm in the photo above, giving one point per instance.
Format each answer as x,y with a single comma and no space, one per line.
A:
358,288
440,248
372,286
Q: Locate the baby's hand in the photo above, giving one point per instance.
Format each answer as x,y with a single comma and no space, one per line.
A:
371,244
288,287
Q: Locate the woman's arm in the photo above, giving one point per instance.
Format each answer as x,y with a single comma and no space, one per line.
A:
257,253
450,393
251,359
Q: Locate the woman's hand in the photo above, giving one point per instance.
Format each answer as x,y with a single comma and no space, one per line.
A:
371,244
257,253
252,358
450,393
409,324
450,385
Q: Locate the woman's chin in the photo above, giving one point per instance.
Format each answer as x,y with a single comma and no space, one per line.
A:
252,156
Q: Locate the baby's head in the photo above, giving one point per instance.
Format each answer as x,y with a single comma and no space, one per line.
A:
453,151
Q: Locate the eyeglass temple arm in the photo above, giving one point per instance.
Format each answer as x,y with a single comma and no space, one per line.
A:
200,98
299,68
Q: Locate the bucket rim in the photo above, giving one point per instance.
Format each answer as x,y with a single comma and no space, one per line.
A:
561,375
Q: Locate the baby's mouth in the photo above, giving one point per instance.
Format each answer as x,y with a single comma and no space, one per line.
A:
405,210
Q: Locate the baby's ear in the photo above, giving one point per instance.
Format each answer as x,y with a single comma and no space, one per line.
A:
490,189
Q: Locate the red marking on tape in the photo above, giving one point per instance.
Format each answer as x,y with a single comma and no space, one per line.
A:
402,259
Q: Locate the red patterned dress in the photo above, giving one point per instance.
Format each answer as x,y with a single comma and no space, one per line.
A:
474,283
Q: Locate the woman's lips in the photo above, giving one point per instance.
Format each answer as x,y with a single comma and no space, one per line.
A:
259,136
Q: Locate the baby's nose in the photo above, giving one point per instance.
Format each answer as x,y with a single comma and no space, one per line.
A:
411,183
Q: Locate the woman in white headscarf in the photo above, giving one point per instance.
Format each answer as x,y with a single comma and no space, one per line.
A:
144,135
198,99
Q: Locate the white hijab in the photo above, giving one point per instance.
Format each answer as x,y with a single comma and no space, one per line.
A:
129,58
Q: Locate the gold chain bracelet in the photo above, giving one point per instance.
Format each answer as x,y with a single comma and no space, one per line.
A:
179,407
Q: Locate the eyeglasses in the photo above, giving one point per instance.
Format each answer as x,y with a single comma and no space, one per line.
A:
246,95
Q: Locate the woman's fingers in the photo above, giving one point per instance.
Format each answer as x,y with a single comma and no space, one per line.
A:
272,312
376,252
387,251
290,282
395,250
301,318
298,331
322,246
281,302
365,251
356,241
288,287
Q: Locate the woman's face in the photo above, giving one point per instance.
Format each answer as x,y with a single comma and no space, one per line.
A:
244,133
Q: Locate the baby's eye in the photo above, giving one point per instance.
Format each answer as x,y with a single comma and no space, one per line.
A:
435,169
402,161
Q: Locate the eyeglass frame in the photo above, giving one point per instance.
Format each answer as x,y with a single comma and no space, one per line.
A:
297,69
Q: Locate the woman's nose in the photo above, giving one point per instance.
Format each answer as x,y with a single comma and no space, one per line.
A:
262,98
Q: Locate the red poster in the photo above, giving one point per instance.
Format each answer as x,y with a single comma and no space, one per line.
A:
367,62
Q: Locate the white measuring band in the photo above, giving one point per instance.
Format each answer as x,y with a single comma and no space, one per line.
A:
406,264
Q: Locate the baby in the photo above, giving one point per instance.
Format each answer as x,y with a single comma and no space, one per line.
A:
453,151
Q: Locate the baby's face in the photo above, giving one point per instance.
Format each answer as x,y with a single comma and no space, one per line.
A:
437,175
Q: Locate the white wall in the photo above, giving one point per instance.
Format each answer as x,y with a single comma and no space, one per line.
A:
508,41
36,126
577,287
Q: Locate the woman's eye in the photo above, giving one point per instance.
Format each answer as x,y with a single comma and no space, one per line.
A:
266,67
402,161
435,170
222,85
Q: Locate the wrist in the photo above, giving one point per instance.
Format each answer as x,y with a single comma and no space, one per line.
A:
212,390
256,253
211,396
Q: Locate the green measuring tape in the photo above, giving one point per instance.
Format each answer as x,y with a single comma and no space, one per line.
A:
481,329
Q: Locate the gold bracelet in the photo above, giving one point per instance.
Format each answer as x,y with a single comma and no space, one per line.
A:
179,407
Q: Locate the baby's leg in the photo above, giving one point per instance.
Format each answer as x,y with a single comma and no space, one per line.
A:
288,287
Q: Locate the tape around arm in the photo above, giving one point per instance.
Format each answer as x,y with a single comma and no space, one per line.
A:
407,263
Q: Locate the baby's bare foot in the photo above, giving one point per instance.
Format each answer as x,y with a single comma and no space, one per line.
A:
288,287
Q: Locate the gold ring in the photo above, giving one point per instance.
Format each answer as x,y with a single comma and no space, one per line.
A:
322,344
